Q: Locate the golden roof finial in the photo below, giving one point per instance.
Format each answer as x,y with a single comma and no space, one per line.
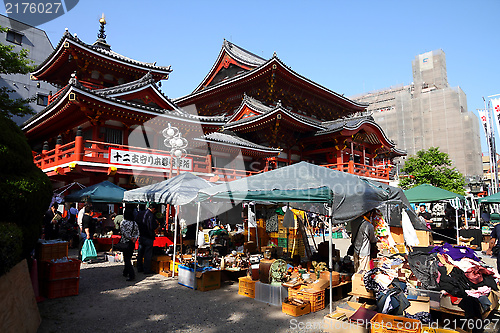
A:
102,20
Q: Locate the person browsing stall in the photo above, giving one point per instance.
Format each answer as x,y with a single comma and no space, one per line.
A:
425,215
130,233
147,233
365,238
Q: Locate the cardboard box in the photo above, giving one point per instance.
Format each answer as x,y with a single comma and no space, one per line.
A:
419,305
208,280
338,322
325,275
320,284
162,257
358,287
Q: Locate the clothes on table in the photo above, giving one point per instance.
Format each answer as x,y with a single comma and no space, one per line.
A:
393,301
425,268
475,274
456,252
481,291
424,317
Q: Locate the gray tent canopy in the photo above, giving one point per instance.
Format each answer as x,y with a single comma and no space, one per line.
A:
176,191
345,196
309,187
105,192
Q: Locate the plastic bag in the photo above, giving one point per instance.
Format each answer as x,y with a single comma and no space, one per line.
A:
409,233
88,250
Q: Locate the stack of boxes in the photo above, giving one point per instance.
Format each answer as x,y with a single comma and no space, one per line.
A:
59,278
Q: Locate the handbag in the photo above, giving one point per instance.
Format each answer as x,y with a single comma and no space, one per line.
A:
123,246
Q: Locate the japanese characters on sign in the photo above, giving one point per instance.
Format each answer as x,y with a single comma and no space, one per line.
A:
147,160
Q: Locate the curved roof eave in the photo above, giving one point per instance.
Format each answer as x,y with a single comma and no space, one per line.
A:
226,49
268,114
218,121
362,122
97,51
356,105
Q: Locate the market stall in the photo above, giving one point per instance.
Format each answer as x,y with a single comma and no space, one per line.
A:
177,191
427,193
310,187
105,192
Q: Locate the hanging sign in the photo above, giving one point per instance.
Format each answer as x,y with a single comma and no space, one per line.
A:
147,160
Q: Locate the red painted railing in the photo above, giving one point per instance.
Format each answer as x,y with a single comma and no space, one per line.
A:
97,152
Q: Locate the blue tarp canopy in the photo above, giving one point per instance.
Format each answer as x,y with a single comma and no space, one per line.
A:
105,192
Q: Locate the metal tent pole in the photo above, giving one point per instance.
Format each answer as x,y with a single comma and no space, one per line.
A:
175,240
196,244
330,252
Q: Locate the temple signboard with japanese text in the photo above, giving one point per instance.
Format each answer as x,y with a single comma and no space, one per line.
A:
132,158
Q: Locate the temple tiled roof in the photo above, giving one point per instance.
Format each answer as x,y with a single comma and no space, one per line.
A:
242,55
126,87
230,138
97,47
268,110
271,62
353,123
75,85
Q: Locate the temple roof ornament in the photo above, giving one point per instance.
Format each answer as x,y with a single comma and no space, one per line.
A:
101,36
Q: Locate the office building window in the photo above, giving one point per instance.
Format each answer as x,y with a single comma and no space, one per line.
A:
14,37
42,99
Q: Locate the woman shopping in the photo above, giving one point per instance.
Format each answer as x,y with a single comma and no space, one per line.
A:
130,233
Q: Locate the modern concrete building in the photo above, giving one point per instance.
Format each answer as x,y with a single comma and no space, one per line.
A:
429,113
23,36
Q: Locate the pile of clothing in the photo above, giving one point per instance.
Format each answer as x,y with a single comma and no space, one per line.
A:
391,291
463,276
455,271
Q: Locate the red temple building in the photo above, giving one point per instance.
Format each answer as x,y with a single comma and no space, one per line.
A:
248,115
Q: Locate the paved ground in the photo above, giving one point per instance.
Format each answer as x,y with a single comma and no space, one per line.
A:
107,303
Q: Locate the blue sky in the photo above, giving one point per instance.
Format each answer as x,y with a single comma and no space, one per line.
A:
351,47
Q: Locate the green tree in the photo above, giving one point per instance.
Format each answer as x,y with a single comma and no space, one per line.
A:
25,191
12,62
431,167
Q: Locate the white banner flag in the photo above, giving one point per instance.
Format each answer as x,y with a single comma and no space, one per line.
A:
485,121
496,110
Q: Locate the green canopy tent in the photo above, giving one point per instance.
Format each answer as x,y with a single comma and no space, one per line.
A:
494,198
310,187
105,192
429,193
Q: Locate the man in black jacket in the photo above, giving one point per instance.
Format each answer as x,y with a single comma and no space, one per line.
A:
147,223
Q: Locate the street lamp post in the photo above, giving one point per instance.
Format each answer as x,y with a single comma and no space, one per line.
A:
176,143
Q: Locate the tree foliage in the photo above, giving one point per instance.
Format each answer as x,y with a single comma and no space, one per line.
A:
431,167
12,62
25,191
